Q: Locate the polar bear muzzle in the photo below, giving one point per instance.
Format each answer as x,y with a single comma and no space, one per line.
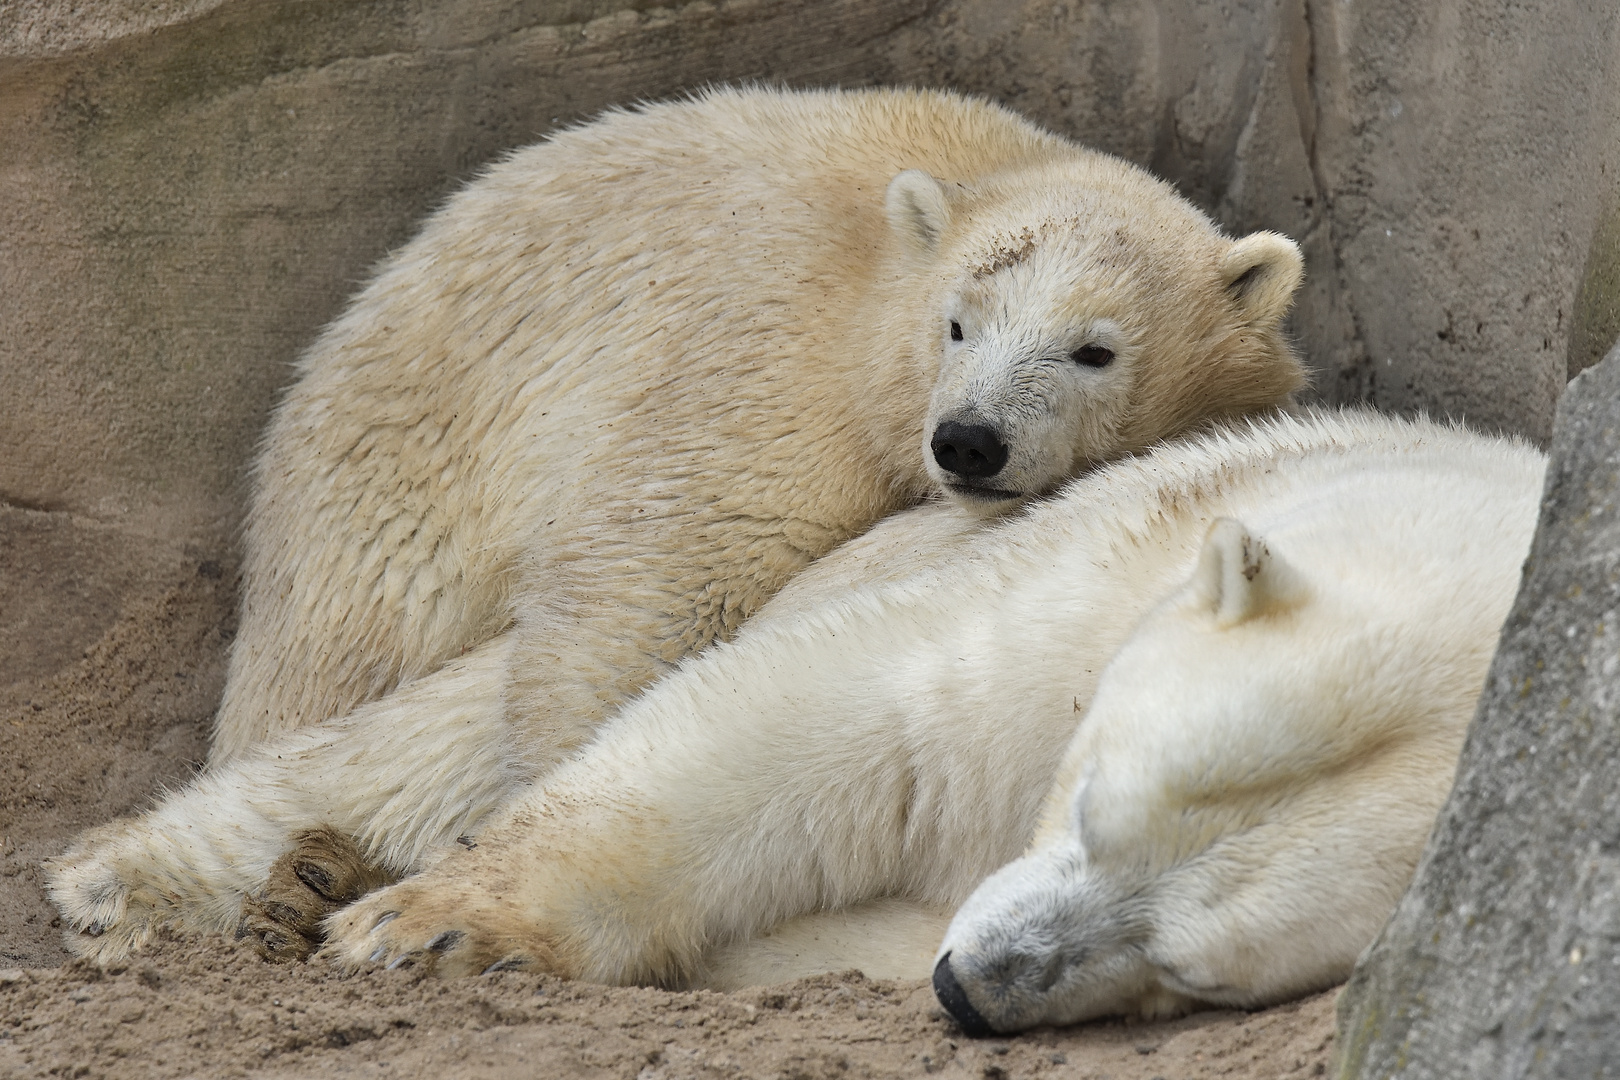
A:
955,1000
972,451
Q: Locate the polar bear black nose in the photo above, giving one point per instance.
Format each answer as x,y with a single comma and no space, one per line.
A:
955,1000
968,450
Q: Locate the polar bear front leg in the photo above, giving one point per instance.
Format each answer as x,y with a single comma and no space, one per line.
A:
395,779
560,885
742,790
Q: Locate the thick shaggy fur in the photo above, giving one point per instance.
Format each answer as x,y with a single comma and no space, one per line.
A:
626,384
1254,779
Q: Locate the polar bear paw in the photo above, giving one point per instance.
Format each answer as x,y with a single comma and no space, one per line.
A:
446,927
324,872
112,899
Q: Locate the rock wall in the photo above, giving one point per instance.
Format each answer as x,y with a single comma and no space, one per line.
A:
190,188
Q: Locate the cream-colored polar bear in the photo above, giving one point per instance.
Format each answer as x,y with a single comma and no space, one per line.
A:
1256,775
632,379
627,383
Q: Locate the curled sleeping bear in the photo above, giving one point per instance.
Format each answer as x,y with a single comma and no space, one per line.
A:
632,379
1173,737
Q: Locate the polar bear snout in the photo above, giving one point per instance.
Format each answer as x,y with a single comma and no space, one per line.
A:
955,1000
968,448
1011,418
1015,983
1047,940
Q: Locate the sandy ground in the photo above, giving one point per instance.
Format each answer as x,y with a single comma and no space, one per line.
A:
207,1009
111,659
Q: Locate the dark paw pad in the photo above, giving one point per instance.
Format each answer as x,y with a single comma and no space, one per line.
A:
323,872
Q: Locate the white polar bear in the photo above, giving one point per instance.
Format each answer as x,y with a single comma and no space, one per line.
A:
1255,777
626,384
1262,761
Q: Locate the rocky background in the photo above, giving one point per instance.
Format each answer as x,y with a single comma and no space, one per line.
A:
189,189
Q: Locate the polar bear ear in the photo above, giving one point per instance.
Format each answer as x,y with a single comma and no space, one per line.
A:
918,210
1262,271
1239,577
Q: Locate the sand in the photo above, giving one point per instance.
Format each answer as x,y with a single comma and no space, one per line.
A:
208,1008
113,657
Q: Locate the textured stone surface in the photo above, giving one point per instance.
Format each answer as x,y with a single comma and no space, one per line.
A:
1597,304
1503,960
1467,147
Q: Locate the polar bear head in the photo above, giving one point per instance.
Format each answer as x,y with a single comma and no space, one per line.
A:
1079,310
1240,808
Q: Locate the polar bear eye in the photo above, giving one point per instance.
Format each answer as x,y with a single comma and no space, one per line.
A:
1093,356
956,330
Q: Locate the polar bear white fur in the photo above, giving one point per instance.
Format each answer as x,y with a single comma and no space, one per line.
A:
1256,774
632,379
1263,759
